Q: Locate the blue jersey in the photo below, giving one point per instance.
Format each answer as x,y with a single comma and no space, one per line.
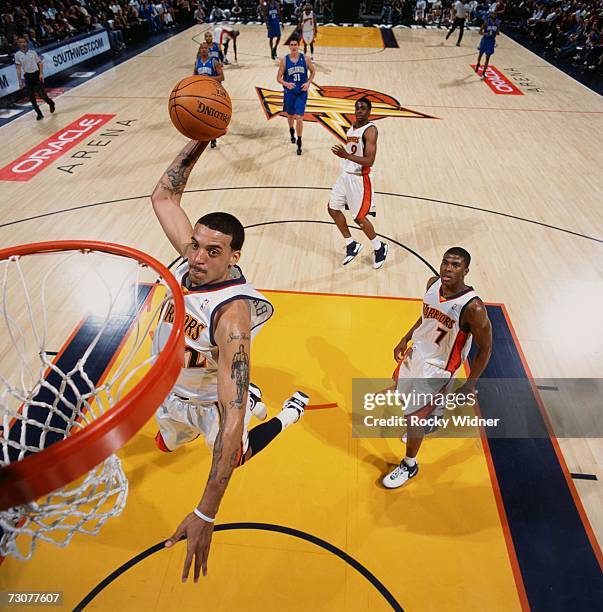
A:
273,18
214,51
492,27
295,72
207,68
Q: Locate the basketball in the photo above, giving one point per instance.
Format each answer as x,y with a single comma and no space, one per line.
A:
200,108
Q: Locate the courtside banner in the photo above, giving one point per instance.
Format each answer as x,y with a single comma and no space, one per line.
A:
48,151
73,53
499,83
58,58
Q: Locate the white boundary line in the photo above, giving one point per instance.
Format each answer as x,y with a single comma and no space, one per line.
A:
569,76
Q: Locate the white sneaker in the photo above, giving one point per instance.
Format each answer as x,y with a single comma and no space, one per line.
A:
296,403
400,476
256,406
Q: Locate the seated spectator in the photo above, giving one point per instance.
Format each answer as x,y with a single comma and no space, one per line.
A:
199,15
328,11
149,16
236,11
386,12
397,12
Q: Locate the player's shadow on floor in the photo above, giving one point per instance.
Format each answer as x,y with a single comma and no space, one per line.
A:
441,481
470,79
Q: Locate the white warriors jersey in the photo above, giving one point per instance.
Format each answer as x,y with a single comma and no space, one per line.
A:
439,340
198,379
308,21
355,146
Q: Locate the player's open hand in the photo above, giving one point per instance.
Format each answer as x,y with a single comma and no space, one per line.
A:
339,150
198,535
289,85
305,86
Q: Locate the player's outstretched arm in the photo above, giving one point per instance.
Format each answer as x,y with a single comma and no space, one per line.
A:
233,336
168,193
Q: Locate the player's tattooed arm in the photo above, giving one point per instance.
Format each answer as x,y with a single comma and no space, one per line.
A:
168,193
173,181
239,372
233,337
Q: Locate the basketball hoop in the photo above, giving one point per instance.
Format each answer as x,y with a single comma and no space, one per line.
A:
59,429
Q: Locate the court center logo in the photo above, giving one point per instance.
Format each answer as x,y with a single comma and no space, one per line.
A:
333,106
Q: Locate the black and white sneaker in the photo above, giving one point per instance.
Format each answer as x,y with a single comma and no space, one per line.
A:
213,144
400,476
297,402
351,251
380,255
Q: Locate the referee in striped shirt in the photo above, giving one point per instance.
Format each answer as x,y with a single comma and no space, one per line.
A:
30,70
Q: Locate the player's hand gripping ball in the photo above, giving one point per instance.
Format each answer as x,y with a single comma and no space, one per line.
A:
200,108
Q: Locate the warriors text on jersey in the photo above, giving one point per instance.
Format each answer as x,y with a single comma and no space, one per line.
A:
198,379
440,340
355,146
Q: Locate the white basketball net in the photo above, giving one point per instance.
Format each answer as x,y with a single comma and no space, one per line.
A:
43,298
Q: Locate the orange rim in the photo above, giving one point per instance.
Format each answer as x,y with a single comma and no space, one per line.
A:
67,460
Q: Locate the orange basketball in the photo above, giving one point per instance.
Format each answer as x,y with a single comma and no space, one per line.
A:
200,108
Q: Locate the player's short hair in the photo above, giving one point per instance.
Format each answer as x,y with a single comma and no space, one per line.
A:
294,38
226,224
460,252
366,101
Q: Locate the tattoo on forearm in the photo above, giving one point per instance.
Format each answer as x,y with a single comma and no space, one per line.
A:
238,336
218,453
239,372
176,176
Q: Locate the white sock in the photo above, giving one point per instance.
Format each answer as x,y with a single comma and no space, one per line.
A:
287,416
349,241
376,243
410,461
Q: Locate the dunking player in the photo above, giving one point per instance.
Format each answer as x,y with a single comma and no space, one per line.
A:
489,30
208,66
309,28
353,189
212,395
295,73
274,18
453,316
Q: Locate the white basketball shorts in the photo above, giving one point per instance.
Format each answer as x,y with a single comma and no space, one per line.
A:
353,192
421,381
182,421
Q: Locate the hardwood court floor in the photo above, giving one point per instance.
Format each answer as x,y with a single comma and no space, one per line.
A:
514,179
